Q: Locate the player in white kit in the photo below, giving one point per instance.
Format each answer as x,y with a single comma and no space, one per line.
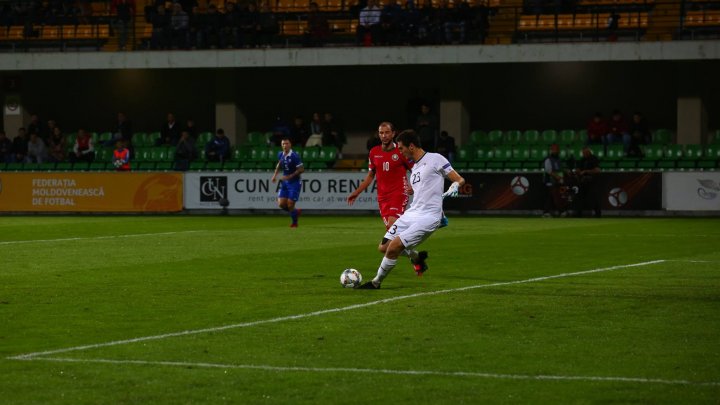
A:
423,217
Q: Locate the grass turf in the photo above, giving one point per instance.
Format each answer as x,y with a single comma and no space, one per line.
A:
633,334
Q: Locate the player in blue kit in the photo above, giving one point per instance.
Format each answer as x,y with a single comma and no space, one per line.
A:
290,182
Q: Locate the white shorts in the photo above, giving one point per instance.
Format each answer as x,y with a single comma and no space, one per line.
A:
413,229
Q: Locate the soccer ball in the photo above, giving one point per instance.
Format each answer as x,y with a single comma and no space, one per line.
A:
117,162
350,278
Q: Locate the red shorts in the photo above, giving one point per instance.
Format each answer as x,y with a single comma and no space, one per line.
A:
392,207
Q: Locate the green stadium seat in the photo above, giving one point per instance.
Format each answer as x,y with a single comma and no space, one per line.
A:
575,151
203,138
691,155
662,136
102,137
538,153
581,136
512,137
531,136
214,166
103,154
197,166
628,163
568,137
46,167
142,154
495,137
165,166
240,153
140,139
549,136
608,164
258,154
146,166
715,137
652,154
248,165
615,152
597,150
328,155
257,138
465,154
310,154
521,152
710,158
672,154
97,166
479,138
480,156
158,154
265,165
64,166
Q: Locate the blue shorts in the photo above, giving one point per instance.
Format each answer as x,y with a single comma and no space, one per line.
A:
289,190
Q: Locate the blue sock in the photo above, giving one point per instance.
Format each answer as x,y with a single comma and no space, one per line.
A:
293,215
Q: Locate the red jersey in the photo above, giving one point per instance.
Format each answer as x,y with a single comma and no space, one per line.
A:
122,157
390,170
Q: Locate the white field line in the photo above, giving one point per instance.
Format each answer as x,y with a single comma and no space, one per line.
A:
30,356
476,374
132,235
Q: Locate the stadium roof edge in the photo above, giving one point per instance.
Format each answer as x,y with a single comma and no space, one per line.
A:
371,56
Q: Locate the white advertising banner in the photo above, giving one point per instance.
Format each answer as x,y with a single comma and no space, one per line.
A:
691,191
326,191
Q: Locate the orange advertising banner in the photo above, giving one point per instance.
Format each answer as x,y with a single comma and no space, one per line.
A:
91,192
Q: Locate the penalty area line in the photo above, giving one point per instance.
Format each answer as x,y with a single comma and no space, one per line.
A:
324,311
132,235
475,374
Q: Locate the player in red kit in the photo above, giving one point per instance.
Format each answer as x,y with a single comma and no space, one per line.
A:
389,167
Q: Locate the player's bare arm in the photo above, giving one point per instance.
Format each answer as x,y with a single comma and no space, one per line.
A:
362,187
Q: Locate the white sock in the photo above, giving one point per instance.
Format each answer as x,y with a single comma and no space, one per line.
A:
385,268
412,254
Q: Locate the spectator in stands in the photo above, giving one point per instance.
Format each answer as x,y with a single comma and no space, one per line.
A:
618,130
316,124
122,129
454,20
218,148
84,148
249,21
57,145
36,126
268,26
6,148
160,21
612,25
123,10
121,157
51,124
180,27
446,146
37,152
426,126
596,130
553,179
191,129
639,135
390,24
428,26
332,133
318,30
184,151
299,132
409,23
369,24
210,26
169,132
586,172
20,146
230,26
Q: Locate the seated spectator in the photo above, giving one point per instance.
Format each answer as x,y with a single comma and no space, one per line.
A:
191,129
248,31
446,146
389,30
84,148
299,132
37,152
618,130
20,146
218,148
184,151
58,146
596,130
230,24
169,132
639,135
211,28
160,21
36,126
6,148
121,157
316,124
122,130
454,20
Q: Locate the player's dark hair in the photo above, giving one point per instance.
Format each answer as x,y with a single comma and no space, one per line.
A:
408,137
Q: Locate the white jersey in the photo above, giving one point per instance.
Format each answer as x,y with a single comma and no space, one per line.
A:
428,182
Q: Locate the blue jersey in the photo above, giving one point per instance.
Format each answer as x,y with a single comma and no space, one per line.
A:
290,163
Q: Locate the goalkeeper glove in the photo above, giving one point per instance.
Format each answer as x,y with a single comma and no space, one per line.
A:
452,191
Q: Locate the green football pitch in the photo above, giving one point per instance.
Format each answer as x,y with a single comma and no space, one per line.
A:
243,309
